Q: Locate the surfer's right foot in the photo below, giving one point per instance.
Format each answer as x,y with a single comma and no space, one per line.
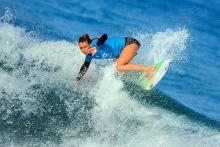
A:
150,71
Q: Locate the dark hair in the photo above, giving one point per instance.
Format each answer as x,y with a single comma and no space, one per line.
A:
85,38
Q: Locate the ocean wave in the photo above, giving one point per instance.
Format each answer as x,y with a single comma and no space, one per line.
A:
39,108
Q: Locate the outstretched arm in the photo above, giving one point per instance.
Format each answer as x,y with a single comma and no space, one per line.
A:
83,70
86,64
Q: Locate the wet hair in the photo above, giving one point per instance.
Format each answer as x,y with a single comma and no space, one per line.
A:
85,38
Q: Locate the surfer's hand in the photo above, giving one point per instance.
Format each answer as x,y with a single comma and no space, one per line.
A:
92,50
75,85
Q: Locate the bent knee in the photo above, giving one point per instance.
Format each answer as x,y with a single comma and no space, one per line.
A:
119,67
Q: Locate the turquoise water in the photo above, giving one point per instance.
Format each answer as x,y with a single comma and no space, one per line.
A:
40,59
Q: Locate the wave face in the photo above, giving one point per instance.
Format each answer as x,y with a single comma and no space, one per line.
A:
38,65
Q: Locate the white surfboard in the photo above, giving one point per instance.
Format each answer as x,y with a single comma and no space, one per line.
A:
161,69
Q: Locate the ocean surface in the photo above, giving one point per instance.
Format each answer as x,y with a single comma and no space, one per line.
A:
40,59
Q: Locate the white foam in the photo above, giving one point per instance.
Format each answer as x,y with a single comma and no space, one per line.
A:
120,120
169,44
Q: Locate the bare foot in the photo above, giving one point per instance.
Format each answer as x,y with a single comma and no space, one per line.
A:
150,72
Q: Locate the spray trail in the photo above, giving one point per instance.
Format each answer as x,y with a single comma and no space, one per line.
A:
169,44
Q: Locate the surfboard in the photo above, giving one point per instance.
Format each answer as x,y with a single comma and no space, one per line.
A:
159,72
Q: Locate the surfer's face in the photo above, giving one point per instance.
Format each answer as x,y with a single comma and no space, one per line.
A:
84,47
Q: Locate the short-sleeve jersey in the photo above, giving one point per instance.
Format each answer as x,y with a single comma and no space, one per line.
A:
109,50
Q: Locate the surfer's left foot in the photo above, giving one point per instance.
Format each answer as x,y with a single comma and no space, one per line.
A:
150,72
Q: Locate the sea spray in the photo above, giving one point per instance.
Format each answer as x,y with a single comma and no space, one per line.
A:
170,44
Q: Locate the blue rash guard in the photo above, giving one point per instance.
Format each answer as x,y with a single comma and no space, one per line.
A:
111,49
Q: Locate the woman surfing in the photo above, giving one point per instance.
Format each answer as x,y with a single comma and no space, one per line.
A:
123,49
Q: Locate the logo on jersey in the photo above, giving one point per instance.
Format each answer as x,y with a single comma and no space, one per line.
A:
105,55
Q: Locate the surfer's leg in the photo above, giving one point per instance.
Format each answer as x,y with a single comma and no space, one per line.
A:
127,55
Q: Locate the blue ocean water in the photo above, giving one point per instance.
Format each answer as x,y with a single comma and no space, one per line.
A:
40,59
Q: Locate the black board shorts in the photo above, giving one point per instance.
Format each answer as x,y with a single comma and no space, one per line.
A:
129,40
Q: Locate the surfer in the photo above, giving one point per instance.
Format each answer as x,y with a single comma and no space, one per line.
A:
123,49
